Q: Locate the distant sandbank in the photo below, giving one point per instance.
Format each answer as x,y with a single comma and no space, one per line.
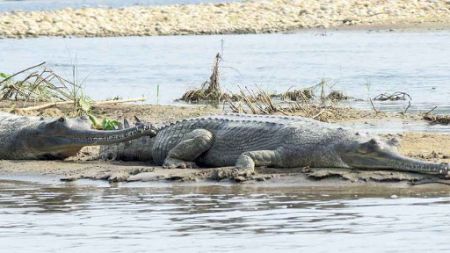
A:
224,18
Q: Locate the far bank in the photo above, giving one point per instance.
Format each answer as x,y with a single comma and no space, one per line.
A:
226,18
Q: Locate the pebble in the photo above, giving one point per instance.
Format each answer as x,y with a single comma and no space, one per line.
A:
239,17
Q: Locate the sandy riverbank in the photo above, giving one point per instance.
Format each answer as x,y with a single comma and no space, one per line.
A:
426,146
241,17
429,146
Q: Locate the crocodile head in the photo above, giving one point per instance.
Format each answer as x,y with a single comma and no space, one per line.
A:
62,137
377,154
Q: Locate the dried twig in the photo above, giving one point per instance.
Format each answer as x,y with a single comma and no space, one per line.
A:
407,107
22,71
434,108
317,115
373,106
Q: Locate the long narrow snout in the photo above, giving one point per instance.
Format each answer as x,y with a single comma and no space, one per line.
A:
405,163
392,160
101,137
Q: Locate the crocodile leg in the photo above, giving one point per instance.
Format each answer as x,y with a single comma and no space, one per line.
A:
248,160
192,146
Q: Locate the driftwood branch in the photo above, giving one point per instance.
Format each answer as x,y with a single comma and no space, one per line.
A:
121,101
399,95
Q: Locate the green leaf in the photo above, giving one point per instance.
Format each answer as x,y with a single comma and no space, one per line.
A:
85,104
95,122
109,124
4,75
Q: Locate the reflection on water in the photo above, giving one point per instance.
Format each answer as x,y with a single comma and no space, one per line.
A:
361,63
192,218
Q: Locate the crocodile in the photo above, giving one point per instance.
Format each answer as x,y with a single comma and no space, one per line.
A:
246,141
25,138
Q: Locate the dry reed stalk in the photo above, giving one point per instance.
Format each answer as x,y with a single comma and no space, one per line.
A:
210,90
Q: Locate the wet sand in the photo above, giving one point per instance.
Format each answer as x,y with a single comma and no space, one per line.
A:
425,146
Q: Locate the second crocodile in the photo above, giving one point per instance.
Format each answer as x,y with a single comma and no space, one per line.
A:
25,138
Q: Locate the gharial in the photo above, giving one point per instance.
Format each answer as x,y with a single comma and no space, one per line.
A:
24,138
246,141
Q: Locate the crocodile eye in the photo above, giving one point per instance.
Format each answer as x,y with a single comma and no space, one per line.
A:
394,142
373,142
61,119
369,146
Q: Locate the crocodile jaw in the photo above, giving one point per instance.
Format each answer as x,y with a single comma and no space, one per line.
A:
379,155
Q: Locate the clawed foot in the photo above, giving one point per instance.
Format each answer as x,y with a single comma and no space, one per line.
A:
239,171
171,163
236,174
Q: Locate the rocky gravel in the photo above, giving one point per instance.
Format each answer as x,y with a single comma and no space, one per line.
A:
237,17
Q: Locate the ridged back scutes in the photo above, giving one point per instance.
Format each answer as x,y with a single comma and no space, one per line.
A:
12,122
245,118
171,134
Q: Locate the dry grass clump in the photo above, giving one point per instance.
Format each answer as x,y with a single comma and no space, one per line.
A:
37,84
336,95
44,90
260,102
442,119
210,90
437,118
302,95
38,87
249,101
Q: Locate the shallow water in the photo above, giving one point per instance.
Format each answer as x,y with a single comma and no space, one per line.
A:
33,5
363,64
52,216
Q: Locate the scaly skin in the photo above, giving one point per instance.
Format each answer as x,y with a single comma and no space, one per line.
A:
39,138
246,141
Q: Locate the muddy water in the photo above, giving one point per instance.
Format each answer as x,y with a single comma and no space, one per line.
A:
54,217
363,64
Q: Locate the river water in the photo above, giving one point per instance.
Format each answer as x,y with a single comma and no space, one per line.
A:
49,216
361,63
53,217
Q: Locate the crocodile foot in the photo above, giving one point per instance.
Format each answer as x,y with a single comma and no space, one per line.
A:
172,163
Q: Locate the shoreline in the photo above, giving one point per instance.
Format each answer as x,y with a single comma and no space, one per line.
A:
226,18
398,28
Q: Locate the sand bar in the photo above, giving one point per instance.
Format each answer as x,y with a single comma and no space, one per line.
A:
225,18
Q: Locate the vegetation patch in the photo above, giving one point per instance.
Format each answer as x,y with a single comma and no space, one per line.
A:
437,118
37,88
